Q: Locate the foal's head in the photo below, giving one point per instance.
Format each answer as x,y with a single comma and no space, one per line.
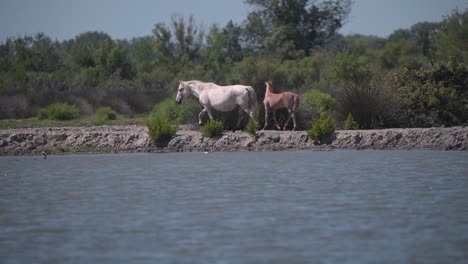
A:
269,85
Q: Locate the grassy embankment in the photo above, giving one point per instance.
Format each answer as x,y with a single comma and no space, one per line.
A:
82,121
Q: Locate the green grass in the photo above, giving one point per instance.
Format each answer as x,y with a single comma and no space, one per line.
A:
82,121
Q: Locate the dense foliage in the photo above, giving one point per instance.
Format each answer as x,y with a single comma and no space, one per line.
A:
251,127
350,123
213,128
415,77
104,114
59,111
322,130
160,129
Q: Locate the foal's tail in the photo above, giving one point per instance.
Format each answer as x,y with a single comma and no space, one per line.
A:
297,100
252,103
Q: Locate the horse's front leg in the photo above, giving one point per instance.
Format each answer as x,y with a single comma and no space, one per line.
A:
200,116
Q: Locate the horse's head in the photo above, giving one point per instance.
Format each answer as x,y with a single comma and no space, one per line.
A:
181,92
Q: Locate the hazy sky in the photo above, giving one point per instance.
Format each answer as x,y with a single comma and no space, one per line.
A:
64,19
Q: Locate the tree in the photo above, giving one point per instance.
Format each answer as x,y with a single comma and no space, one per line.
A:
452,40
83,47
142,54
45,56
222,50
420,36
294,27
111,59
179,44
6,55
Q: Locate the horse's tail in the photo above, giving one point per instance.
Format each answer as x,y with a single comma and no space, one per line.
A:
252,103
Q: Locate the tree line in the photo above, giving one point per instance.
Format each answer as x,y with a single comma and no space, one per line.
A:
415,77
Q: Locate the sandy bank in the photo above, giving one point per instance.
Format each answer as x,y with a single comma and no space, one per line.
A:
113,139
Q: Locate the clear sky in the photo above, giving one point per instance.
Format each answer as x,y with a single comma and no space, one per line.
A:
64,19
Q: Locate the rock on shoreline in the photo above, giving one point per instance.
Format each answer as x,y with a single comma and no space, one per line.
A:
132,138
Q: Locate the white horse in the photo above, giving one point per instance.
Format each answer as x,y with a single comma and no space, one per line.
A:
221,98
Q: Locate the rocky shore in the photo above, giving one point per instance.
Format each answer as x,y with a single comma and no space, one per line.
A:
115,139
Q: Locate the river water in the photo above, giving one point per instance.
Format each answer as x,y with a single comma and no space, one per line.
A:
236,207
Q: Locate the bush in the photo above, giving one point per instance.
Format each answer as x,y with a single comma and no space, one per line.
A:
185,113
433,96
314,104
212,129
104,114
322,130
59,111
251,127
160,129
350,123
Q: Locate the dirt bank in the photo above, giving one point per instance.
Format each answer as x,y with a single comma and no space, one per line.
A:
112,139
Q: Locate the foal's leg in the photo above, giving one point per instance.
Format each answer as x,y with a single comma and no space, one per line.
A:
289,118
266,117
293,114
274,119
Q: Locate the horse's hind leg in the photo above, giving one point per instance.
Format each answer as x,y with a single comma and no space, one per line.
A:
241,115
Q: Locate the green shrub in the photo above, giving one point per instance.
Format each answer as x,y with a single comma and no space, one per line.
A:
251,127
212,129
185,113
59,111
322,130
350,123
160,129
104,114
314,104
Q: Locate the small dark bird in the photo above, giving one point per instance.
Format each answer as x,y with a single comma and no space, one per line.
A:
44,154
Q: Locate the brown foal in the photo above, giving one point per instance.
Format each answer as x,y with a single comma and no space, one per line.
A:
274,102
